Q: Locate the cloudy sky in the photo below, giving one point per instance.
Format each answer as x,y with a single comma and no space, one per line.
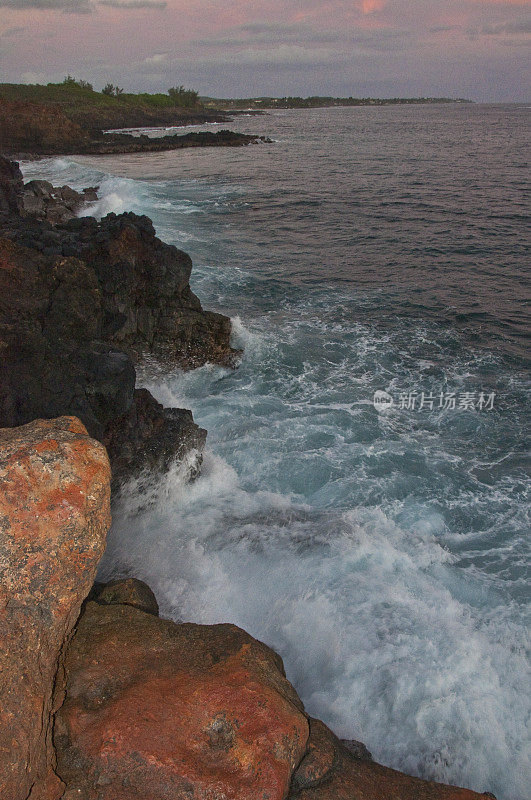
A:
232,48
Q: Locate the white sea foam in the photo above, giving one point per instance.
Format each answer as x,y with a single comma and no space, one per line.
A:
365,613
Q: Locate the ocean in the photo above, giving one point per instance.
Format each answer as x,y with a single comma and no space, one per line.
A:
380,547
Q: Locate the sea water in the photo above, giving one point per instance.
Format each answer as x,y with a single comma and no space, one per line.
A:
381,551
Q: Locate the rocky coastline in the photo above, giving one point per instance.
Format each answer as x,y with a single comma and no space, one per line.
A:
101,699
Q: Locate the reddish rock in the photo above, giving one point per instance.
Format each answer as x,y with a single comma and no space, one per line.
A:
332,772
160,711
54,517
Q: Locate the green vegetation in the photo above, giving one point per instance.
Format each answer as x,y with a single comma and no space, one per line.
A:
186,98
111,107
73,92
111,90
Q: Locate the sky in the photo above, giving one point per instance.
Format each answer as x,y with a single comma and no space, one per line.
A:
477,49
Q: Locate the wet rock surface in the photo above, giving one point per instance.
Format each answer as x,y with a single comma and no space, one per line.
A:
127,143
55,204
54,517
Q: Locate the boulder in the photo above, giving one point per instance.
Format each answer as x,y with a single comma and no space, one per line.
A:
54,517
161,711
331,771
54,204
128,591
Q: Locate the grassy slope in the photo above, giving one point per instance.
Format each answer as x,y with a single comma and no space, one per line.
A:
92,109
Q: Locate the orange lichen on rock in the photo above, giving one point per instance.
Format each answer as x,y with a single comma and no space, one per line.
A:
54,517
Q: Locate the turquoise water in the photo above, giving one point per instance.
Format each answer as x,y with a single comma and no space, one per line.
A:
382,553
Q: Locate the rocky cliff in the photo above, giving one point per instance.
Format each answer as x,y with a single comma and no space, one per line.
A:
81,302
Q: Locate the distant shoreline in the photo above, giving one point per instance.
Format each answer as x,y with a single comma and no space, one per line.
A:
271,103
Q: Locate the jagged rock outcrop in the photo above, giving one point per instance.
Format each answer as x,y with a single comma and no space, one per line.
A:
57,359
126,143
55,204
148,304
152,437
161,711
38,199
80,302
54,517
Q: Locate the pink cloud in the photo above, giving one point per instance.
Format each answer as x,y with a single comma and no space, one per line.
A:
370,6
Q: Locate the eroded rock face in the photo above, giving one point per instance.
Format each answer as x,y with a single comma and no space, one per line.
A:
53,359
160,711
149,437
331,771
11,184
54,517
56,204
80,302
57,357
149,306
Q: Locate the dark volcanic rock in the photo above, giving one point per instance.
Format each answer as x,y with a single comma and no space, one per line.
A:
54,517
149,306
55,204
29,129
11,186
80,302
55,360
127,143
150,437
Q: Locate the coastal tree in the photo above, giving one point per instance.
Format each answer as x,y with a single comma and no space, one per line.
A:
186,98
80,84
111,90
